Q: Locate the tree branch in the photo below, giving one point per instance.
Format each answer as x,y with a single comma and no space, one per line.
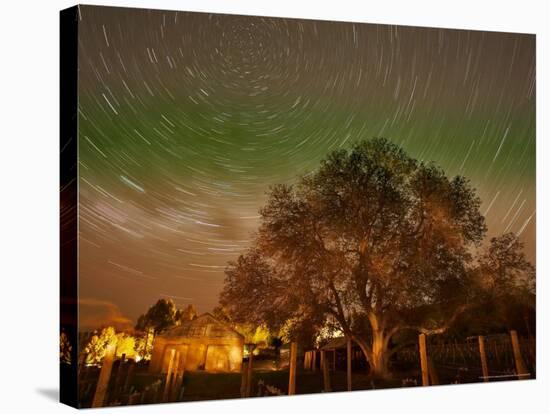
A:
441,329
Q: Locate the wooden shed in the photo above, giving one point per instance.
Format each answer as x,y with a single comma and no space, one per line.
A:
204,343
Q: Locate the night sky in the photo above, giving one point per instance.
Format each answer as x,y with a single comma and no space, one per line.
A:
185,119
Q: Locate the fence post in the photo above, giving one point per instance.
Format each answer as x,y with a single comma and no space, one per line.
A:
119,378
178,377
155,391
104,376
434,378
173,382
326,375
292,369
520,364
129,376
249,370
314,364
424,360
483,356
348,362
81,365
244,378
168,376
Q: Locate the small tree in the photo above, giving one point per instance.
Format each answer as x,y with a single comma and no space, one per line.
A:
504,270
185,315
126,344
161,316
97,345
221,314
65,349
144,346
507,283
255,336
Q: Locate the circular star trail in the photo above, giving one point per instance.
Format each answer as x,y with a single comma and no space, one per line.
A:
186,119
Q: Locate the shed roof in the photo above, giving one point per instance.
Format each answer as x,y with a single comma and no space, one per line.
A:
205,325
335,343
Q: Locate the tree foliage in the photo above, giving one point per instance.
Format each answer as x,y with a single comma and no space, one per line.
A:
187,314
125,344
65,349
133,347
504,270
97,345
144,346
255,335
506,287
373,242
164,315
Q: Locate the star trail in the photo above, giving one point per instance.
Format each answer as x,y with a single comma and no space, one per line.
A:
186,119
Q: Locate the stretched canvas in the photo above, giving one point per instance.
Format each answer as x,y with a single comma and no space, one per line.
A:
258,206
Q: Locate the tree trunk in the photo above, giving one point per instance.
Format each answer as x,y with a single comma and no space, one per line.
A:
379,355
377,351
376,355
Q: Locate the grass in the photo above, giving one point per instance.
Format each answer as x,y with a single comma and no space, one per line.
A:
200,385
210,386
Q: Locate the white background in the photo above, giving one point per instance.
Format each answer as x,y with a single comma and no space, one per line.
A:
29,204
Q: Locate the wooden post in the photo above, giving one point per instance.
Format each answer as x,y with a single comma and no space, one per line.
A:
249,371
326,375
483,356
129,376
81,365
156,391
520,364
434,378
314,364
348,360
168,376
177,377
424,360
172,390
292,369
144,395
117,389
244,377
104,376
334,359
